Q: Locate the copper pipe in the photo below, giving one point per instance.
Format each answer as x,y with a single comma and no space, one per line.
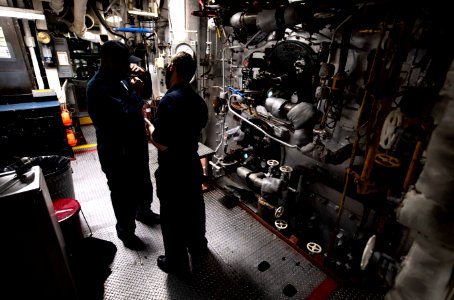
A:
396,54
409,178
348,171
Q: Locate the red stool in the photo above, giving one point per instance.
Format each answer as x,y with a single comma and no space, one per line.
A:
67,212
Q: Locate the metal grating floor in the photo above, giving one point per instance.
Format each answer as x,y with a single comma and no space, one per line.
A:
237,244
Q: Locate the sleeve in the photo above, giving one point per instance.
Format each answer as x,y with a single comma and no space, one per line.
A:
163,123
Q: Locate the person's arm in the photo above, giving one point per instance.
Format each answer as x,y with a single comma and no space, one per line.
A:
150,130
144,87
136,83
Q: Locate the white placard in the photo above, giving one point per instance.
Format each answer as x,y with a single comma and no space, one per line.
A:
63,59
4,50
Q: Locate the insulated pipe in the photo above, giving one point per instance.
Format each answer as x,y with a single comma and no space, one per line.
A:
255,126
267,20
78,25
306,148
30,43
57,5
428,210
255,178
241,19
208,37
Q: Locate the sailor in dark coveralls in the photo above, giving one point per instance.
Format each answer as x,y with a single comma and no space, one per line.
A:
115,106
176,131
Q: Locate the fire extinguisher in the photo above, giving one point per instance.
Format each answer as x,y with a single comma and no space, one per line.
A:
67,122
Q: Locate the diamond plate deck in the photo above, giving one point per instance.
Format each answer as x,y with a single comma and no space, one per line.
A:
237,245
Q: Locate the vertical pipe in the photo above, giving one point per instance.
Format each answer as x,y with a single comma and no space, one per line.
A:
412,168
223,68
30,42
31,46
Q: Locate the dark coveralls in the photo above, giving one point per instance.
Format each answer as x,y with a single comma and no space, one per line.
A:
116,112
179,120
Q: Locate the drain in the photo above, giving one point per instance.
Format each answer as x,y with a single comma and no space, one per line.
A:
289,290
263,266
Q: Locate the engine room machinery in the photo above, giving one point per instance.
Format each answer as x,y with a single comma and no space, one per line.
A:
321,112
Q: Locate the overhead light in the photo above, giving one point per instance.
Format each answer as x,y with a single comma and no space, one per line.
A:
21,13
113,19
143,13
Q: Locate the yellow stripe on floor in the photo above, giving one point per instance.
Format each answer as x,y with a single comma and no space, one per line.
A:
84,146
85,120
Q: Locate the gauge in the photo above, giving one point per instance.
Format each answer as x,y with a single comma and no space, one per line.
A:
185,48
43,37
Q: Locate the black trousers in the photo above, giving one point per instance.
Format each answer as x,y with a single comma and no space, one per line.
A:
179,189
131,189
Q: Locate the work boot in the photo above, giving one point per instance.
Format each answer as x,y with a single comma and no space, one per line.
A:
132,241
182,272
148,218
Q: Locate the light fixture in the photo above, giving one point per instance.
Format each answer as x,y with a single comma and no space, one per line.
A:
113,19
21,13
143,13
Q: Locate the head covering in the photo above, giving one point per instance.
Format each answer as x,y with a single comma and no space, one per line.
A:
118,51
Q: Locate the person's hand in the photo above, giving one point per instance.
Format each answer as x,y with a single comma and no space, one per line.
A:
137,84
149,126
136,69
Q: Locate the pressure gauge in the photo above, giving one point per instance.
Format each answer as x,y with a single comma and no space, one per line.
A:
185,48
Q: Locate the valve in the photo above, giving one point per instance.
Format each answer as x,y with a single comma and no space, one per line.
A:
278,211
285,172
271,165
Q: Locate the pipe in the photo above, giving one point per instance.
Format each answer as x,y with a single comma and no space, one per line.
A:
208,42
412,169
57,6
255,126
30,43
103,21
133,29
78,25
249,176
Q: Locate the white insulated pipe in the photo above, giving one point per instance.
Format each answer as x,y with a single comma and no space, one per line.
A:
30,43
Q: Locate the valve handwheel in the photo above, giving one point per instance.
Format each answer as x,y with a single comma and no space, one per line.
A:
272,162
279,212
387,160
367,252
313,247
286,169
281,224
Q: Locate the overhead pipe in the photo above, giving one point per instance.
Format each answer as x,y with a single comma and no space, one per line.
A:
103,21
57,6
133,29
78,25
267,20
